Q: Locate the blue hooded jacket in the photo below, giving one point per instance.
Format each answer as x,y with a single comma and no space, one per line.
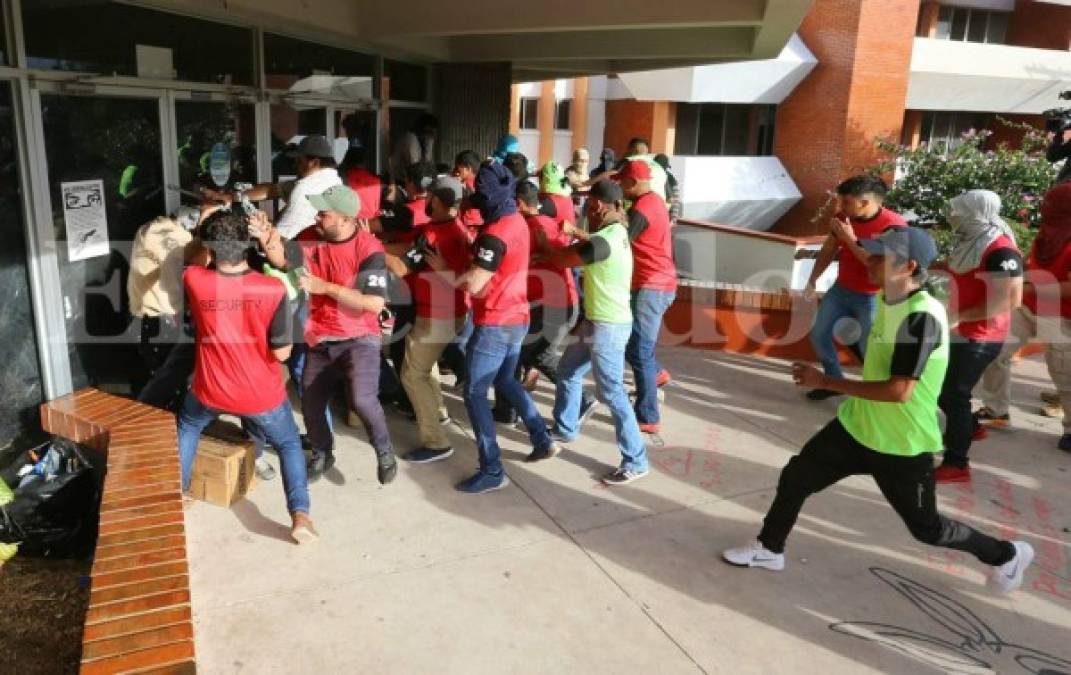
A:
495,192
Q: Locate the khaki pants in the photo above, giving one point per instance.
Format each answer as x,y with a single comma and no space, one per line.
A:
1055,332
420,375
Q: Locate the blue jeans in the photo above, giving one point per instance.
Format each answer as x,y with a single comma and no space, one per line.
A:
277,426
491,359
840,303
600,347
648,306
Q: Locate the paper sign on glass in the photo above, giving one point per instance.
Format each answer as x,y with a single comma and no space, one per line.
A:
86,219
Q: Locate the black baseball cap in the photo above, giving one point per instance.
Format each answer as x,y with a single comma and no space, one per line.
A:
607,192
906,243
314,145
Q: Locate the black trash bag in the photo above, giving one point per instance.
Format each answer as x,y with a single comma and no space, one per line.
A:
56,516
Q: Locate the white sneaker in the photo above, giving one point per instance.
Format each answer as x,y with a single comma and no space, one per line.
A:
755,555
1009,576
265,471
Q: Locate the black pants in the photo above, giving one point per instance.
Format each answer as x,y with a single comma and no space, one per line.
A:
966,363
391,381
907,483
355,362
167,351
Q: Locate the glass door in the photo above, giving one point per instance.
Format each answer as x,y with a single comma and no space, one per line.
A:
20,377
204,125
106,178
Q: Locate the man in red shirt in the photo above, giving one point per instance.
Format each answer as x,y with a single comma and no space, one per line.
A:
860,216
1045,314
346,281
242,322
466,164
654,286
498,283
986,274
438,256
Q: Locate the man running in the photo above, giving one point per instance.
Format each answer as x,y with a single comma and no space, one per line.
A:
888,427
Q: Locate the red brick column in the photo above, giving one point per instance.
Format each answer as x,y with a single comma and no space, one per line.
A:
827,126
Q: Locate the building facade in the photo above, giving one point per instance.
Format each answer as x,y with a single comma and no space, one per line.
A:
759,144
110,109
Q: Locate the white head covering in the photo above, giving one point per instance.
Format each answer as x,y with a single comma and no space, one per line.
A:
976,224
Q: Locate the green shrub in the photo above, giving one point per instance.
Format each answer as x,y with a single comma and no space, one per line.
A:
930,175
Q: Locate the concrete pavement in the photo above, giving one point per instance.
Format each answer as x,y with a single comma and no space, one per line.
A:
558,573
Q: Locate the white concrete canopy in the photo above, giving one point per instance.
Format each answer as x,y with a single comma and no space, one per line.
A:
751,192
541,40
759,81
969,76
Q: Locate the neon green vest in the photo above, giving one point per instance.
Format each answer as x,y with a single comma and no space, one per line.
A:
608,283
910,428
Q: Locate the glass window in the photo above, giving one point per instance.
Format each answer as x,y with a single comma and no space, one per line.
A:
737,130
711,129
766,120
944,23
529,112
109,38
289,124
997,30
976,26
4,59
20,378
408,81
309,68
356,129
725,129
562,112
959,23
203,124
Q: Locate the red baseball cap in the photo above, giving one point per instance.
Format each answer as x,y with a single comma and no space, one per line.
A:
636,169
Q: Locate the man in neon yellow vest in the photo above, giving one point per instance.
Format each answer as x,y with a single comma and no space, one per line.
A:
888,427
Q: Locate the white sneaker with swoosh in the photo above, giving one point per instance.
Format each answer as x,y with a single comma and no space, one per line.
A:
755,555
1009,576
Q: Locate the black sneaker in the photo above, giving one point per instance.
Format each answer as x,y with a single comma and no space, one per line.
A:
320,464
821,394
504,416
404,408
388,468
552,450
623,476
424,455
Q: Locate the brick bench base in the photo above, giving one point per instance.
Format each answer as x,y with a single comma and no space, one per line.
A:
139,618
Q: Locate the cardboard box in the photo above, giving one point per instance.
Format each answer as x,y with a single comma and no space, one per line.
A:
223,471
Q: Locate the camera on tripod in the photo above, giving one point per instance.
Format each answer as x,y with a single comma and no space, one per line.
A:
1058,119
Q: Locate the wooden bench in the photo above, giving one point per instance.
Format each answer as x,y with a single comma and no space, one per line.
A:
139,618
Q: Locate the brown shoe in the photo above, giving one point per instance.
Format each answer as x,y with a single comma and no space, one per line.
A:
303,531
1050,397
1052,410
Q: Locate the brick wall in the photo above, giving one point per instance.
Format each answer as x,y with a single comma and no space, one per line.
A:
827,126
626,119
1040,24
